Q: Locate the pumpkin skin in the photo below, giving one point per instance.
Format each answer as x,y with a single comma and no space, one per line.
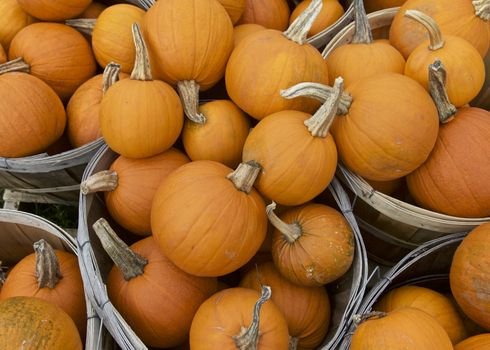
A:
53,11
454,17
306,310
376,5
478,342
57,54
394,133
272,14
3,55
12,20
429,301
112,39
234,8
24,318
216,204
93,10
227,312
387,187
470,279
331,11
35,112
454,177
243,31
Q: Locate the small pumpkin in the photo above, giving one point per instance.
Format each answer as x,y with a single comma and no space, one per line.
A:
243,31
331,11
93,10
376,5
12,20
54,10
144,286
272,14
234,8
477,342
239,318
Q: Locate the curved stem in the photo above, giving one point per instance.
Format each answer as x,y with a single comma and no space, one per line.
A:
248,338
319,124
189,95
435,35
291,232
83,25
47,265
142,69
437,89
130,263
363,34
298,30
17,65
103,181
245,175
358,319
293,343
482,9
110,76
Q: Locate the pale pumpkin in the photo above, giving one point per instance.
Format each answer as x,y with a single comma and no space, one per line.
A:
272,14
243,31
331,11
234,8
376,5
54,10
12,20
477,342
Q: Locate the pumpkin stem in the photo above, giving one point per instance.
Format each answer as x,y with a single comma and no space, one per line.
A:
291,232
298,30
131,264
319,124
189,95
437,89
293,343
244,176
482,9
363,34
17,65
358,319
110,76
103,181
47,265
142,69
83,25
248,338
3,275
435,35
319,92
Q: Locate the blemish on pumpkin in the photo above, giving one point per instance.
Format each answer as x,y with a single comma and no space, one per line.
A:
230,254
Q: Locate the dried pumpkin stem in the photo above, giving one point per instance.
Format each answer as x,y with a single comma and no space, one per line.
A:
291,232
83,25
435,35
248,338
48,271
293,343
482,9
110,76
358,319
130,263
189,95
244,176
437,89
17,65
363,34
298,30
142,68
103,181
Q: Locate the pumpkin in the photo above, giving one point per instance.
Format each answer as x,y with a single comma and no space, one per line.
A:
144,285
463,18
243,31
3,55
208,219
272,14
454,177
363,57
194,57
220,136
239,318
33,110
297,170
140,117
258,69
376,5
234,8
83,108
331,11
402,329
54,10
433,303
12,20
93,10
130,185
387,187
477,342
469,276
306,310
55,53
462,61
34,324
51,275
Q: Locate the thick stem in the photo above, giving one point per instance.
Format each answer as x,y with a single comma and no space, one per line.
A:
103,181
437,89
130,263
363,34
482,9
319,92
110,76
319,124
298,30
358,319
291,232
293,343
47,265
142,68
83,25
17,65
435,35
245,175
189,95
248,338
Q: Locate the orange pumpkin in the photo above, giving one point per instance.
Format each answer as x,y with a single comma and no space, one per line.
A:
306,310
206,212
54,10
3,55
234,8
239,318
478,342
331,11
140,117
12,20
470,279
93,10
387,187
272,14
243,31
376,5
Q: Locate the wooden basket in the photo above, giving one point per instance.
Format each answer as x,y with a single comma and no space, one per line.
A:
19,231
345,294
